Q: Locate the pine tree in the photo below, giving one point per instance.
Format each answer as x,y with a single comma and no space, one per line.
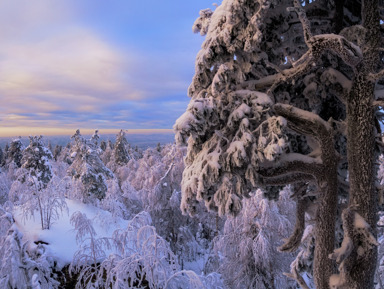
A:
35,160
87,168
103,145
2,158
120,153
284,93
57,151
14,152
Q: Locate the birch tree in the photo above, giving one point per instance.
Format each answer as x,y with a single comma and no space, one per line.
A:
288,92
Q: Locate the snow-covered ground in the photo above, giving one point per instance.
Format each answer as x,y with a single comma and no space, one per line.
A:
61,237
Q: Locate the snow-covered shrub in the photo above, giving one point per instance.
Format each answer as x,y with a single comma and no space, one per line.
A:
153,183
34,189
247,249
22,265
144,258
114,201
86,261
5,185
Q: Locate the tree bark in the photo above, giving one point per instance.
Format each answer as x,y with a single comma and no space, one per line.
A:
323,266
360,149
360,120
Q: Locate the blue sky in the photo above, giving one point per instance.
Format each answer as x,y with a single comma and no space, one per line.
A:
68,64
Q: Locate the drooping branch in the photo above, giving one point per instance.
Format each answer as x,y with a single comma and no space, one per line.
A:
293,242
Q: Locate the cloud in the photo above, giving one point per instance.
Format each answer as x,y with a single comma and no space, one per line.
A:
58,70
73,68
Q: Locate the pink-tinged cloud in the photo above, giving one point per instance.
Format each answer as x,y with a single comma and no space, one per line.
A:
68,64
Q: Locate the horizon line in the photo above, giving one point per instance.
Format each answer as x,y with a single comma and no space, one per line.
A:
9,132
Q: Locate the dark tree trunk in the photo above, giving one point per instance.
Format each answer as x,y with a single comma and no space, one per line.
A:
360,119
323,266
361,152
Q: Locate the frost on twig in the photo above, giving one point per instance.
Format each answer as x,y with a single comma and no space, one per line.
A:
86,261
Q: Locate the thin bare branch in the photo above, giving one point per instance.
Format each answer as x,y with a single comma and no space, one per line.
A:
376,76
377,103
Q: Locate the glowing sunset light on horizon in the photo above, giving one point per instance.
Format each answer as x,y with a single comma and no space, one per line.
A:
111,66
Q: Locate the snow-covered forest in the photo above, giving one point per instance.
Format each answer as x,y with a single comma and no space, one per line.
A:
276,179
94,214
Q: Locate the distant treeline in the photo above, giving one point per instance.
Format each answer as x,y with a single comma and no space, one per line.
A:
143,141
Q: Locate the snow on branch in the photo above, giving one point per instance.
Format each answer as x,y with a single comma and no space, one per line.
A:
333,76
358,239
304,122
300,67
293,163
349,52
286,179
201,24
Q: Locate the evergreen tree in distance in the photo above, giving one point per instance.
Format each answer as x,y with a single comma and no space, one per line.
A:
88,169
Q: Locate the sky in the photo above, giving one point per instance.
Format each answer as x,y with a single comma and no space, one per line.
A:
95,64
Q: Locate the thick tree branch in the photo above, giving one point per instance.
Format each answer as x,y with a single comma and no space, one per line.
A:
293,242
287,179
304,122
293,163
